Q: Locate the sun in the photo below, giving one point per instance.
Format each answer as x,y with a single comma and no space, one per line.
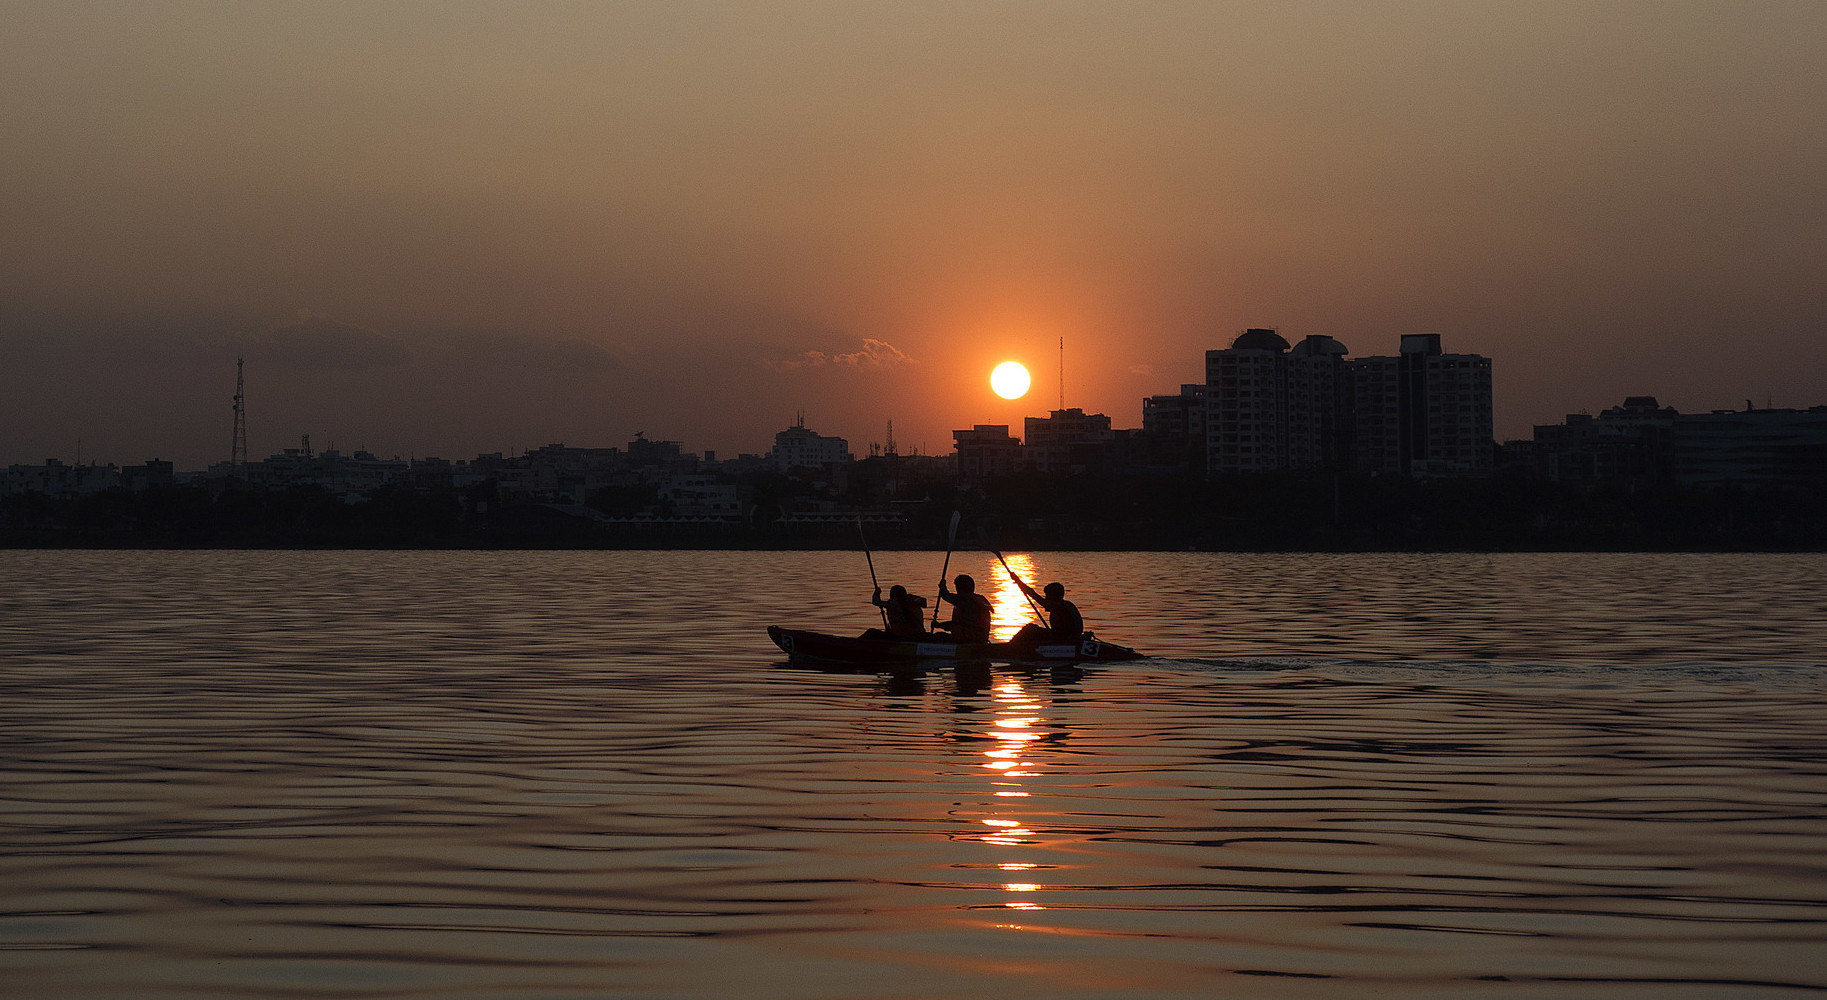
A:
1010,380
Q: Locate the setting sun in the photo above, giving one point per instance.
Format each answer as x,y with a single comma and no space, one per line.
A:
1010,380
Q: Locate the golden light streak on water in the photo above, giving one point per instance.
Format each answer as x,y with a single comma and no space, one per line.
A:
1016,729
1011,605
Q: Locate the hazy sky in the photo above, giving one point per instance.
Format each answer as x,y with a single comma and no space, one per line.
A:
447,228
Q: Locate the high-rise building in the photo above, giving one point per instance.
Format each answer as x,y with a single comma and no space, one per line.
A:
1317,422
1243,394
1441,408
1376,414
1271,407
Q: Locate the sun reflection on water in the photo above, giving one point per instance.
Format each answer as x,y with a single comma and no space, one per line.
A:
1017,727
1012,609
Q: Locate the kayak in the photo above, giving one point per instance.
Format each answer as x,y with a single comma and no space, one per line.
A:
819,645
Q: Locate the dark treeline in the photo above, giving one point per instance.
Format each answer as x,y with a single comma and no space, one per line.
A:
1034,512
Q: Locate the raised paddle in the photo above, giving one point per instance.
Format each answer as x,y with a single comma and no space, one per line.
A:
872,579
1022,587
951,538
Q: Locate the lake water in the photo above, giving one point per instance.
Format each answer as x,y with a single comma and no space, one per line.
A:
520,775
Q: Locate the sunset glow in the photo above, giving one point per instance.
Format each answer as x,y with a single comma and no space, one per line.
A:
478,232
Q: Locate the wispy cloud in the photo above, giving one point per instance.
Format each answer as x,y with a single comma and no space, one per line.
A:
493,348
1143,370
876,355
314,340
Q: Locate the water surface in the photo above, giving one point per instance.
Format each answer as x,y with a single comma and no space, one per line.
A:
289,774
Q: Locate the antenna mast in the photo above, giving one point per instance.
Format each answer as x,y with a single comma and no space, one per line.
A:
237,452
1062,373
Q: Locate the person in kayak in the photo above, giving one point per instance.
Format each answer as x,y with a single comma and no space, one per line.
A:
970,611
1064,623
903,612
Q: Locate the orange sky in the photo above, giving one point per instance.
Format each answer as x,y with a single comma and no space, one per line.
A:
447,228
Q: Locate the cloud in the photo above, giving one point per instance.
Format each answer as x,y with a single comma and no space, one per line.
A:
876,355
496,350
317,341
1147,371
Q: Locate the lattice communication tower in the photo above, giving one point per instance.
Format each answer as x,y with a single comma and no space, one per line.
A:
237,453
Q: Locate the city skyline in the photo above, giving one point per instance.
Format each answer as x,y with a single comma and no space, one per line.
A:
459,229
862,447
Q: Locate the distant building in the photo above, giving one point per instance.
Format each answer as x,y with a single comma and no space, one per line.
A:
643,453
742,463
702,496
985,452
1271,407
1317,434
1173,431
1068,440
60,481
1442,411
1750,446
155,474
1628,443
799,448
1376,414
350,476
1275,407
1643,443
1567,452
1176,417
1245,396
433,474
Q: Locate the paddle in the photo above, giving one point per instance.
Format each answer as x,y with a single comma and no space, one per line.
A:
1023,587
872,579
951,538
